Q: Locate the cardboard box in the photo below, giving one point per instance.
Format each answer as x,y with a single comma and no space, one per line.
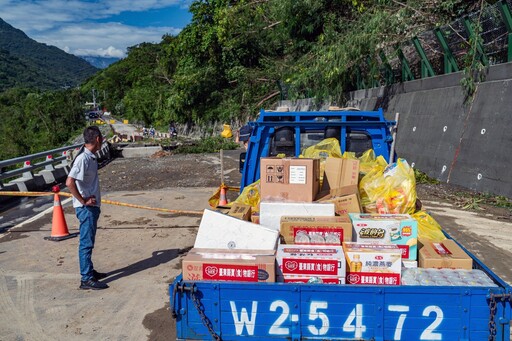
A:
271,212
341,176
445,254
345,204
399,229
240,211
220,231
310,279
373,264
289,179
310,260
228,265
316,230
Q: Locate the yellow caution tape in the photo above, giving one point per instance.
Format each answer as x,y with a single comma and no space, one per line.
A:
104,201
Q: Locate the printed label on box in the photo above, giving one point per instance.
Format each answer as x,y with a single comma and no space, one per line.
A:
311,266
230,272
311,279
441,249
373,278
298,175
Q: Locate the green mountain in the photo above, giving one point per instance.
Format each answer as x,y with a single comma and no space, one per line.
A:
26,63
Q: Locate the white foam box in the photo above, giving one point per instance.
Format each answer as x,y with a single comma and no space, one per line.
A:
271,212
220,231
310,260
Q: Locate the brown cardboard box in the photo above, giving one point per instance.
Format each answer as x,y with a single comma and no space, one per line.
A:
316,230
229,265
345,204
341,176
445,254
292,179
240,211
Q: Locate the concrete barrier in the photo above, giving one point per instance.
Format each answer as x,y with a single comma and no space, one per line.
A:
49,176
132,152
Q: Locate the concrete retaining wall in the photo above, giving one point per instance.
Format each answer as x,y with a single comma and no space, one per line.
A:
457,143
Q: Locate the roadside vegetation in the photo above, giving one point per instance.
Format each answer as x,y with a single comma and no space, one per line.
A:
234,58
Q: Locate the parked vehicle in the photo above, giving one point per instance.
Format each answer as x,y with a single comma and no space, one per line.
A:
92,115
206,310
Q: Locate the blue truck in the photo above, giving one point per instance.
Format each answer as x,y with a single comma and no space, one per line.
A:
209,310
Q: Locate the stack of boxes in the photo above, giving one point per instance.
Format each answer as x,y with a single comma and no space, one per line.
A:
312,233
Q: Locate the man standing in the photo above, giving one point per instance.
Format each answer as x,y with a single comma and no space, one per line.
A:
84,185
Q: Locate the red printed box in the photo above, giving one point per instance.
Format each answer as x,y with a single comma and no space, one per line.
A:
316,260
373,264
228,265
311,279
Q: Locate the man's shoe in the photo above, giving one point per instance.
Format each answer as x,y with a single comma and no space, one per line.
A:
92,285
98,275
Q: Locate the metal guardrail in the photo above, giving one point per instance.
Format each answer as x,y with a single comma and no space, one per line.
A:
50,160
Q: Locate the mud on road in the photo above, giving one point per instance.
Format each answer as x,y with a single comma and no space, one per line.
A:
141,250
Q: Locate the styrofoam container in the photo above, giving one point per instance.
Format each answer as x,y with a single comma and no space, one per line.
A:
271,212
220,231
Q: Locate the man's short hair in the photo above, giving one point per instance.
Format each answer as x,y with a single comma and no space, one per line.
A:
245,133
91,133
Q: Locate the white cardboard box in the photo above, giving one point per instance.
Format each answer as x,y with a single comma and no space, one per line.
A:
271,212
310,260
399,229
220,231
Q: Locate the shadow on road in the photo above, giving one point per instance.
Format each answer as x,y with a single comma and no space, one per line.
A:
157,258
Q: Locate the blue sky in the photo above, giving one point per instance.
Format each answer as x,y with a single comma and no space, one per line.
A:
96,28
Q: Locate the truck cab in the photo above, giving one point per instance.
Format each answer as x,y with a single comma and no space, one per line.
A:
289,133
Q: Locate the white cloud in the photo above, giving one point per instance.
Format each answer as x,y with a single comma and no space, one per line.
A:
107,40
70,25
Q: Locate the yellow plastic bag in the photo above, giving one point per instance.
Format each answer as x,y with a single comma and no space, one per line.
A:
389,190
250,196
368,161
326,148
428,228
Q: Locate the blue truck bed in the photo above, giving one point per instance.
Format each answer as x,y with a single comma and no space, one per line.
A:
206,310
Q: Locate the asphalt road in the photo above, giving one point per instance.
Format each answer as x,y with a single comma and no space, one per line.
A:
141,250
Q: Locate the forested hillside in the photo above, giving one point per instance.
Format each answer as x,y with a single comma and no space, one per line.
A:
232,59
238,56
27,63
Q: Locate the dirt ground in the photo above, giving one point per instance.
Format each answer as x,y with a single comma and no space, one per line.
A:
141,250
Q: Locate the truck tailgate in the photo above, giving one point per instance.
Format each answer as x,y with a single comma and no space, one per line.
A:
264,311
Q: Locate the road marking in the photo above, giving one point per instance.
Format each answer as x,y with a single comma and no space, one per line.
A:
36,217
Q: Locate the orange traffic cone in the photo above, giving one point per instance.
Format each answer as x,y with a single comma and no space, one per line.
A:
222,200
59,226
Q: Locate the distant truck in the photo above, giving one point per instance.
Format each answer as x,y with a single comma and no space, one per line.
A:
93,114
209,310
